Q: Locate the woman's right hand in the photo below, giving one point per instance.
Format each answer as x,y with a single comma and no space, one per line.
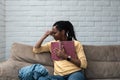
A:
47,33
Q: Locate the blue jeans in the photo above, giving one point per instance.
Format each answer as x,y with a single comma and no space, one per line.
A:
74,76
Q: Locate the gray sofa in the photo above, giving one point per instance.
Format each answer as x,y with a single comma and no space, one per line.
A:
103,61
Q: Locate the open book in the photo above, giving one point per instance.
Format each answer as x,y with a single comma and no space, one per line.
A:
68,47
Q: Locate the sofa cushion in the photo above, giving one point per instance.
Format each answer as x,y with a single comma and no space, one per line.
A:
103,61
23,52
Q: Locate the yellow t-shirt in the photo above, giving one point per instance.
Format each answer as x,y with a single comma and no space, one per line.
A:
64,67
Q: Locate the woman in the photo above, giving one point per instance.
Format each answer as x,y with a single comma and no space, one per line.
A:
68,68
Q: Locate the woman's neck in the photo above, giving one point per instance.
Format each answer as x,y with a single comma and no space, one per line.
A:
64,38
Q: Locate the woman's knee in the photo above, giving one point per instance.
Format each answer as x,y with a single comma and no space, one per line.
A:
76,76
56,77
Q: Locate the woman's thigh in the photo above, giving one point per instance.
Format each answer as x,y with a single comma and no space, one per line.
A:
76,76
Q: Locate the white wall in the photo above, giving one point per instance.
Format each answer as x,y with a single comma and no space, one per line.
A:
96,22
2,30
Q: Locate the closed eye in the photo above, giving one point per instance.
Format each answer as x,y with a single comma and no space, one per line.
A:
54,33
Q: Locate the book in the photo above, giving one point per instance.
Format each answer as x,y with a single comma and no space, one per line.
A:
68,47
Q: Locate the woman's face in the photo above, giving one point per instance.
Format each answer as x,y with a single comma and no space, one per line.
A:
56,33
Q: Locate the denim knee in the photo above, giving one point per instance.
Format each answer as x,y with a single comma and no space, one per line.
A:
76,76
56,77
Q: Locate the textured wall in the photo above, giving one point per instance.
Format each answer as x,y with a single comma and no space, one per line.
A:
96,21
2,30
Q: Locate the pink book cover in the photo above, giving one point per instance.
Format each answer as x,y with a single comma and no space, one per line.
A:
68,48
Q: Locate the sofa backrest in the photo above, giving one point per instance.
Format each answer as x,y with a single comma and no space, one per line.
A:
23,52
103,61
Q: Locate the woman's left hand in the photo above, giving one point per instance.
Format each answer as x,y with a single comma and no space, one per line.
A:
61,53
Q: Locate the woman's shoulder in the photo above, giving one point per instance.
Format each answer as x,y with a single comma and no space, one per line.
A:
51,41
76,42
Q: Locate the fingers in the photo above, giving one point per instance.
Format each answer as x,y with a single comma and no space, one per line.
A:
49,32
57,51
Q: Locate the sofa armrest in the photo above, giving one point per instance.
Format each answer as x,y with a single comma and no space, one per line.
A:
9,69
